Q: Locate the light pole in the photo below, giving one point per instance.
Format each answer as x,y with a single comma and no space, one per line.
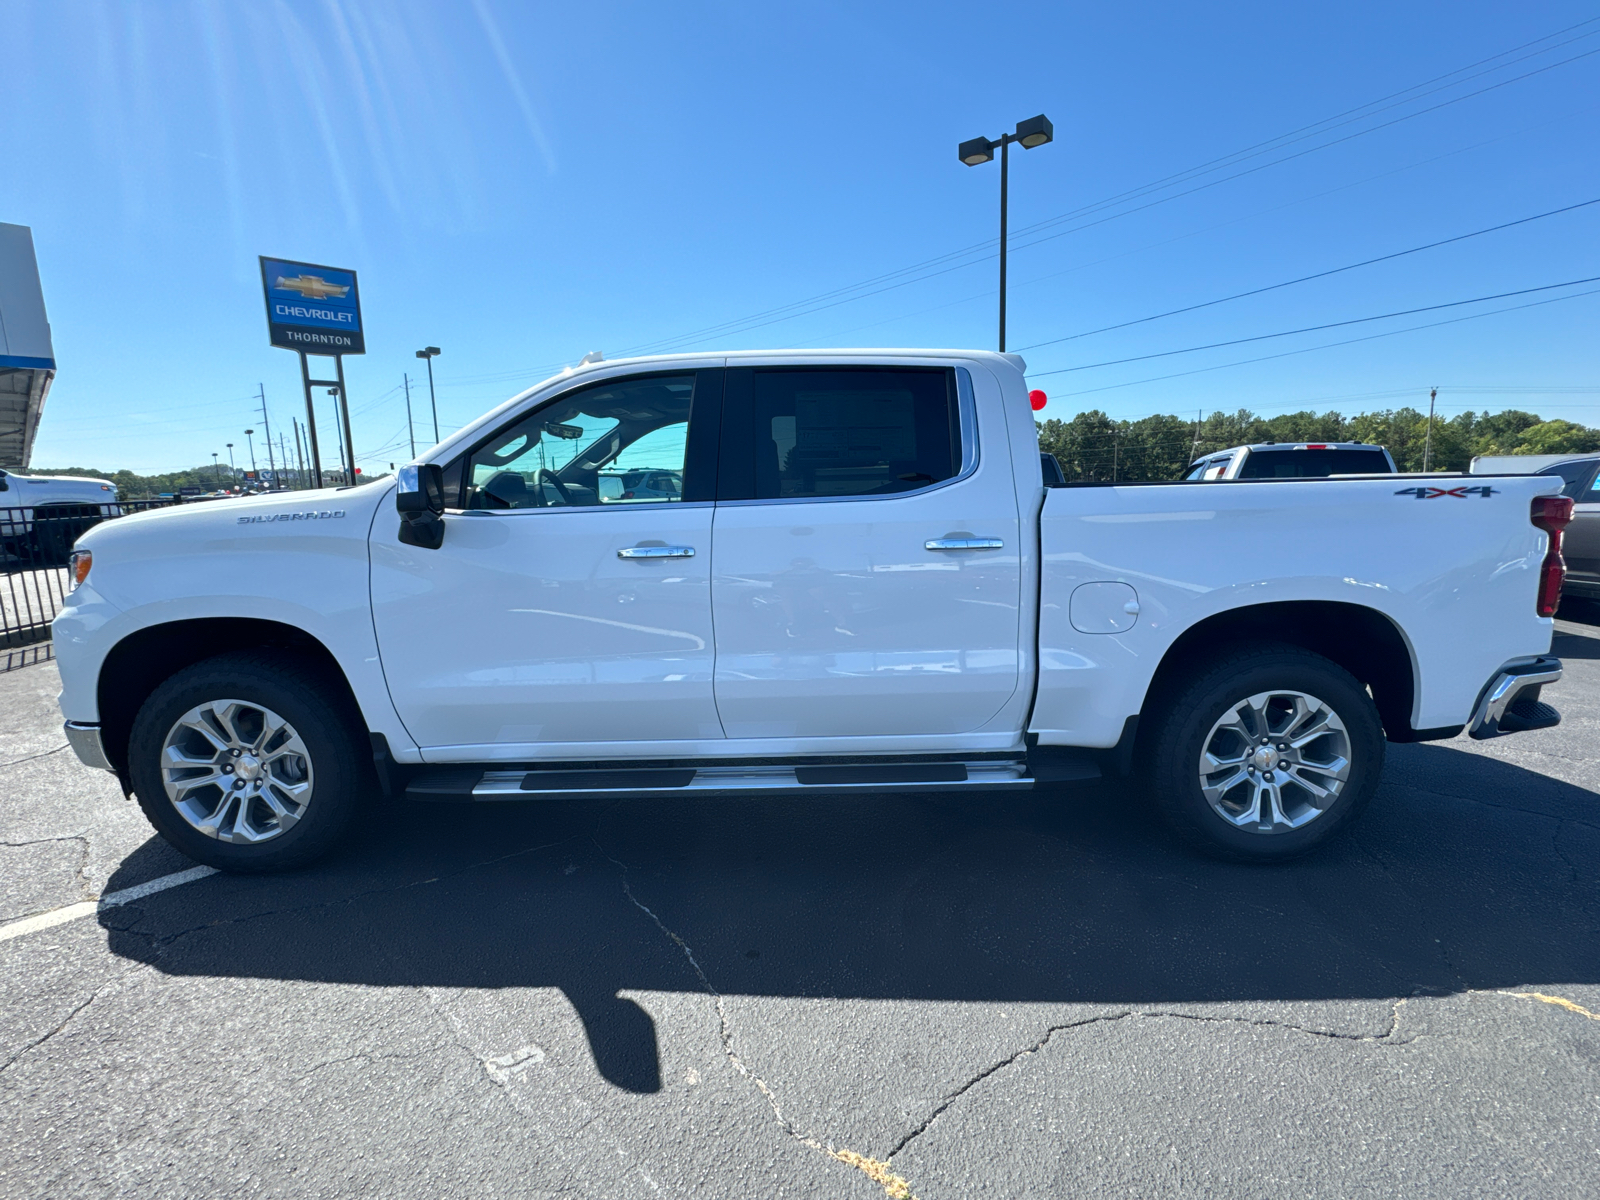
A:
428,353
233,471
252,444
216,469
1035,131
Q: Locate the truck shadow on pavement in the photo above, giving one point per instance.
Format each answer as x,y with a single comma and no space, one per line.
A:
1466,872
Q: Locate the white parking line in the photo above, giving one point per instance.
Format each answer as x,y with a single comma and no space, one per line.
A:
60,916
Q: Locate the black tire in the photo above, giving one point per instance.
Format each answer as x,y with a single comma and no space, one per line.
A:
304,696
1195,707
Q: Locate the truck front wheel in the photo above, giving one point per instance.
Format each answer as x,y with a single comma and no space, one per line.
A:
245,763
1265,754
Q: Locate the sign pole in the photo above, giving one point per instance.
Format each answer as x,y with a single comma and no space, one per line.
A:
344,410
311,424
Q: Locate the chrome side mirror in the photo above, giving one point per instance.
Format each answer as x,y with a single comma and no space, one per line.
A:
420,501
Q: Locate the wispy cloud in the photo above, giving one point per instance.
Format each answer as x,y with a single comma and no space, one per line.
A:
508,68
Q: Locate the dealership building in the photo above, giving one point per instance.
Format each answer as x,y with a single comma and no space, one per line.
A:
27,361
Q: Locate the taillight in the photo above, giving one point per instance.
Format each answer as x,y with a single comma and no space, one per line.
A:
1551,514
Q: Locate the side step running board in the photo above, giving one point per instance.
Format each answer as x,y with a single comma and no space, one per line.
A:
461,783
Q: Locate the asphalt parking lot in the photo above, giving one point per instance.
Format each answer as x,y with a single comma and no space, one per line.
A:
1011,997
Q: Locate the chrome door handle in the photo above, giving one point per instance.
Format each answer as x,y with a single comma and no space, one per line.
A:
656,552
963,544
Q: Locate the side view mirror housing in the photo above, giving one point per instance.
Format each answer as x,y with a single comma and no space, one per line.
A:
420,502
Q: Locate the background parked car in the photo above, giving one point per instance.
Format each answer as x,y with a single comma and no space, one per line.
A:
1293,460
1580,545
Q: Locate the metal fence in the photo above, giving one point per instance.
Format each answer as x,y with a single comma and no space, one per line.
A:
35,544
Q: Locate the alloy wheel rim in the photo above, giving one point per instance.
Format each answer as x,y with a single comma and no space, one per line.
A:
236,771
1274,762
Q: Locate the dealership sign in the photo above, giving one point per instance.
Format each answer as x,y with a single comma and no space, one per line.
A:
312,309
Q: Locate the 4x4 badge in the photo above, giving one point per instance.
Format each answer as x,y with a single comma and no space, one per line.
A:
1460,493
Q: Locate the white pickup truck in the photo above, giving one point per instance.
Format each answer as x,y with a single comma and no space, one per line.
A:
41,515
860,584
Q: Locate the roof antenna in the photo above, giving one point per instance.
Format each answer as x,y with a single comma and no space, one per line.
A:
593,356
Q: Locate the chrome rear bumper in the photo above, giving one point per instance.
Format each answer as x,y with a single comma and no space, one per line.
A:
1516,681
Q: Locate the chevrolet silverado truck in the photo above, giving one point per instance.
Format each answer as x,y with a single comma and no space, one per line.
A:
860,585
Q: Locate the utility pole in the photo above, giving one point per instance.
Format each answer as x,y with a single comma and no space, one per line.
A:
282,452
299,460
267,425
1427,442
410,429
1116,450
338,431
1194,450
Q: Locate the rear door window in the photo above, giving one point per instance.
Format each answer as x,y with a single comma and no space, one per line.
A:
793,434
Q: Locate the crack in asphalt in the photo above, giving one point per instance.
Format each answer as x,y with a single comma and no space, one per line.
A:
894,1186
1385,1039
66,837
34,757
1510,808
69,1018
80,873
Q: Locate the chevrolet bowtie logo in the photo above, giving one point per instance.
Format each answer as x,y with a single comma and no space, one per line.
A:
312,287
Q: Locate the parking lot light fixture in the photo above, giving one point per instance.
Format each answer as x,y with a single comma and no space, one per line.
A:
429,353
976,152
1035,131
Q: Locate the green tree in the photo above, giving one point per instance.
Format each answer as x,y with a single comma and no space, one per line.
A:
1093,447
1558,437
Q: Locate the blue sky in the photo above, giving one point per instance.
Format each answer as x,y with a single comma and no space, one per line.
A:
519,184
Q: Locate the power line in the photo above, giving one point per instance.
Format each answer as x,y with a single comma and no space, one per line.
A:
1261,337
841,295
1318,275
1301,153
1330,345
832,338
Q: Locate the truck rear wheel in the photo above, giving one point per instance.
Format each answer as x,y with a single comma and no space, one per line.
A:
246,763
1266,754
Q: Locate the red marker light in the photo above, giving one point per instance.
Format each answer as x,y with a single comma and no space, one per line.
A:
1038,399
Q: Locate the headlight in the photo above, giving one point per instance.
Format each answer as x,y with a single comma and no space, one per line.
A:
79,565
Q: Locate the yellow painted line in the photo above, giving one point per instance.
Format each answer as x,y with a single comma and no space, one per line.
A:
85,908
1558,1001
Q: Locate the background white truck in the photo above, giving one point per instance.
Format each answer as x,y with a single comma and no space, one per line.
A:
1292,460
862,584
42,515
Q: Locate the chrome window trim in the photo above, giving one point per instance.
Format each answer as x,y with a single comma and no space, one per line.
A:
646,506
967,417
